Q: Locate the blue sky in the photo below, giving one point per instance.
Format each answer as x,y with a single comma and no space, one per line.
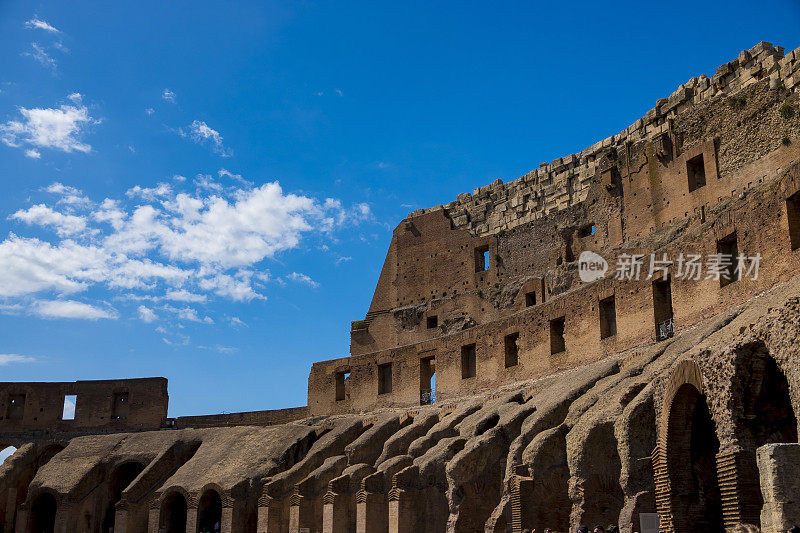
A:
206,191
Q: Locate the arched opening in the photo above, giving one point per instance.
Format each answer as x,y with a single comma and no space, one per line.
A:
122,476
173,514
692,447
765,416
209,512
43,514
6,453
602,494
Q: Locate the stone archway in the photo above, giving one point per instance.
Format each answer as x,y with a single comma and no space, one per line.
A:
173,513
692,447
209,512
43,514
122,476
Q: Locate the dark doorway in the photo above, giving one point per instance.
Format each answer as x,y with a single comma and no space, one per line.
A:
173,513
123,476
662,309
43,514
692,448
427,381
209,512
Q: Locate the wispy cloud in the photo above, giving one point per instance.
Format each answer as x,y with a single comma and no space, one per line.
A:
39,24
9,358
70,309
299,277
202,133
38,53
168,96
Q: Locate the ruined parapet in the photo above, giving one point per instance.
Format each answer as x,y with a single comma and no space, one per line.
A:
565,181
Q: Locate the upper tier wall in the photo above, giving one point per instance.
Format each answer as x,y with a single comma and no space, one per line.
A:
565,181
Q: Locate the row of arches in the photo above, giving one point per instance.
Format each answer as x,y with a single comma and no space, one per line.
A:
173,513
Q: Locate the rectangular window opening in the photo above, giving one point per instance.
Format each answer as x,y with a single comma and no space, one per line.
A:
608,317
696,172
68,409
385,378
468,362
121,406
530,299
512,349
432,322
586,231
662,309
728,251
557,343
427,381
481,259
16,407
793,214
341,382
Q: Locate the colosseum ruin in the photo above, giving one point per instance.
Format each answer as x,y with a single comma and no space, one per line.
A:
612,338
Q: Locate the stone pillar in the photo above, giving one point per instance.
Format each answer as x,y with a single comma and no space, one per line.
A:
335,512
371,512
11,507
779,471
22,520
301,513
270,515
737,475
191,519
152,520
521,491
402,515
226,523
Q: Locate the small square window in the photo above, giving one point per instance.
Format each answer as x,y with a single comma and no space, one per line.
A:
385,378
468,361
696,172
432,322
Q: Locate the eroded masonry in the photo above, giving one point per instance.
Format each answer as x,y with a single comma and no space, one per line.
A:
490,386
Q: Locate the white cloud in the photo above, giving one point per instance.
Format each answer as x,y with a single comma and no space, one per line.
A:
8,358
164,242
70,196
202,133
147,314
343,259
304,279
182,295
149,110
33,153
41,215
58,129
37,23
168,95
235,177
237,322
76,98
70,309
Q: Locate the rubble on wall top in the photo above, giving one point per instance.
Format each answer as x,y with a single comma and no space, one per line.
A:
565,181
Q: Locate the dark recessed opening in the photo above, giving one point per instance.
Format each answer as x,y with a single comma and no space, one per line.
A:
341,382
432,322
586,231
481,258
557,344
512,349
728,251
385,378
608,317
696,171
468,363
793,214
662,309
530,299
